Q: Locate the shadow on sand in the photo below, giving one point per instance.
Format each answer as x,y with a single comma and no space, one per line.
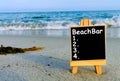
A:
9,75
44,60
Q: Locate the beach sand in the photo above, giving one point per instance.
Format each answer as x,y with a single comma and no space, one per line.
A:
52,63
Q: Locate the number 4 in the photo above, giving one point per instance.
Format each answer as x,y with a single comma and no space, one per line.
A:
75,56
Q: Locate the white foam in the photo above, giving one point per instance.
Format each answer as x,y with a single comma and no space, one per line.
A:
43,25
110,22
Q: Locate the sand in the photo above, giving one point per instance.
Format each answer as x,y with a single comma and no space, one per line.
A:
52,63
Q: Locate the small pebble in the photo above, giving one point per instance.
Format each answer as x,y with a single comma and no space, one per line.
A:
49,74
48,65
16,64
8,66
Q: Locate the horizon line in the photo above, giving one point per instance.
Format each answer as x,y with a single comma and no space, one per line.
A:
54,10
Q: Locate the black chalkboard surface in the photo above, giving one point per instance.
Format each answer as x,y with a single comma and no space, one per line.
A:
87,43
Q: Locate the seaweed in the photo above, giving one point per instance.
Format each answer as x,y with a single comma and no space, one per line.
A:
13,50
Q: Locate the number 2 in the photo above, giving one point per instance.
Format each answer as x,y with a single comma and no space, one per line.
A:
74,38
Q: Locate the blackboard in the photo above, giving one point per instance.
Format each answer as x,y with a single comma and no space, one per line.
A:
87,43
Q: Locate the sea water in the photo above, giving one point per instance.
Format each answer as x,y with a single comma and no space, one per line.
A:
56,23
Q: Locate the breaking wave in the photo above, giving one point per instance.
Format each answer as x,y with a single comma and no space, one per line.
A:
110,22
43,25
56,20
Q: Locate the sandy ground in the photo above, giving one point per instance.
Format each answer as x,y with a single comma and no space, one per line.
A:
52,63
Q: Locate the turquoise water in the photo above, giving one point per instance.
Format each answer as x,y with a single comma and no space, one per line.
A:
33,23
56,20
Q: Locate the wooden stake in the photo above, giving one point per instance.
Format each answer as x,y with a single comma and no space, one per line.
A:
98,69
85,22
74,69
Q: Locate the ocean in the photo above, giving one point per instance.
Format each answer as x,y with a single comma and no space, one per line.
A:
56,23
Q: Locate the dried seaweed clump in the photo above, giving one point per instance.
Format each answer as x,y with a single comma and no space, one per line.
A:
9,49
